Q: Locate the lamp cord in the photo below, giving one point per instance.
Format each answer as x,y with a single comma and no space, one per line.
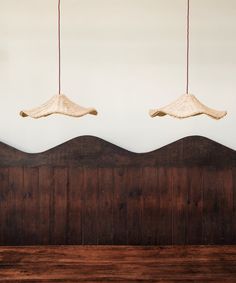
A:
59,46
188,40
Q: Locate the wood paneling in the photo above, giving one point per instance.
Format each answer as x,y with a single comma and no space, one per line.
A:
165,221
46,191
234,207
90,207
118,264
30,206
134,206
150,206
105,203
180,185
60,208
4,205
75,205
120,206
195,206
88,191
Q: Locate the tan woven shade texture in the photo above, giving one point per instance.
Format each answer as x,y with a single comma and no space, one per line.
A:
187,106
58,104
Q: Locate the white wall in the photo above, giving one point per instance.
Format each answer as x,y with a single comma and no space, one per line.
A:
122,57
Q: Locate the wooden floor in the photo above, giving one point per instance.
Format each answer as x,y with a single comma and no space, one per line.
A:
118,263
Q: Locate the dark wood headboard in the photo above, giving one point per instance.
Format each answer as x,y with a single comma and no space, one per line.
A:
88,191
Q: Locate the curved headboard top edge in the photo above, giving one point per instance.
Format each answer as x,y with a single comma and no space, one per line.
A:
79,139
92,151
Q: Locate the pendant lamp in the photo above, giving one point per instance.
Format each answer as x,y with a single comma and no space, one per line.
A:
187,105
59,103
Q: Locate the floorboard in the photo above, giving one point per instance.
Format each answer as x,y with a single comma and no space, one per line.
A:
118,264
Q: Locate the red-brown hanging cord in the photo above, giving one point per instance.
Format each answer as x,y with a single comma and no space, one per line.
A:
188,24
59,46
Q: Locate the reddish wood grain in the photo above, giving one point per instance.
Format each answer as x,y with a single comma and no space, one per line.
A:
118,264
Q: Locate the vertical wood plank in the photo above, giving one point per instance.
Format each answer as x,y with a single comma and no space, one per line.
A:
225,195
234,206
89,219
75,201
195,206
151,206
211,206
30,206
4,205
134,207
105,206
46,189
165,188
59,227
180,196
16,183
120,207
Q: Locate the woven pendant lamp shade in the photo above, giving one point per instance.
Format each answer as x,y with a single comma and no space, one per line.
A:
58,104
187,105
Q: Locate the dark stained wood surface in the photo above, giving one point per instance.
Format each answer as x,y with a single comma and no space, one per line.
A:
118,264
91,151
90,192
